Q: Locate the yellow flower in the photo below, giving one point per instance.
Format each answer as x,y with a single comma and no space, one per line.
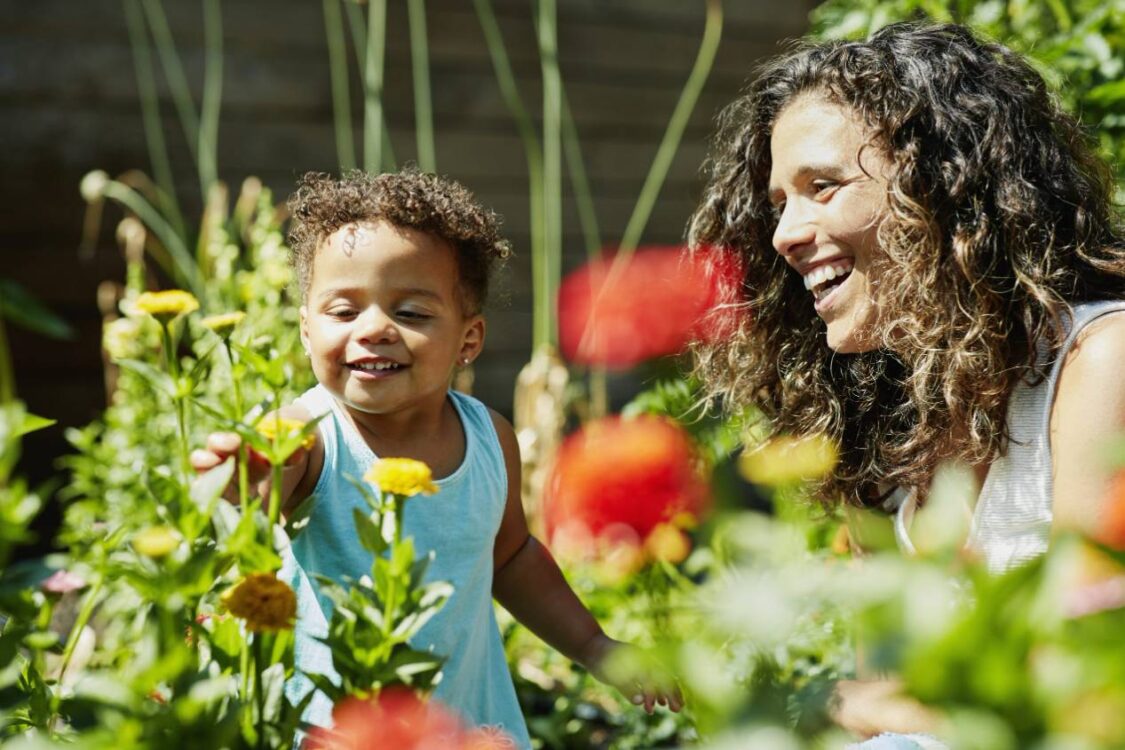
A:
225,323
264,602
166,304
401,476
156,541
280,427
786,459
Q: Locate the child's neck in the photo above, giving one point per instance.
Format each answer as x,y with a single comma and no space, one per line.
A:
433,435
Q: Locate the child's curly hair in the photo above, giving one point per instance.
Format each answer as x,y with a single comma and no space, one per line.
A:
999,216
410,199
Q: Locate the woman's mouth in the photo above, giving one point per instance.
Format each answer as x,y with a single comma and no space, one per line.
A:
823,281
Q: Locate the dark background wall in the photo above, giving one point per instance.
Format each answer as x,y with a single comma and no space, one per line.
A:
69,102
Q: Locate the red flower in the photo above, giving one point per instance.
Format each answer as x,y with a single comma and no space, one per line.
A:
619,479
1112,525
660,299
396,718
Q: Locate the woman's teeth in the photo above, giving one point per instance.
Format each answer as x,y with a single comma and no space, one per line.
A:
818,281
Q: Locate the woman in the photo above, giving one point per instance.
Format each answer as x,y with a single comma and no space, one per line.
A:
934,273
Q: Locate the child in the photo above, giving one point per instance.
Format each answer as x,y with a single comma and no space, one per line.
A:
394,271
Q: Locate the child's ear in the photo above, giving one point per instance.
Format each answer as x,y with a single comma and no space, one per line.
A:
473,340
304,310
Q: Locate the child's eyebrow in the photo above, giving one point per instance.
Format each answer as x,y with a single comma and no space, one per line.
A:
343,291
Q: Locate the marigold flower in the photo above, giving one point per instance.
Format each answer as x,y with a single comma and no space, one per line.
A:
167,304
156,541
660,299
263,601
1111,525
277,427
396,718
785,459
639,473
401,476
224,323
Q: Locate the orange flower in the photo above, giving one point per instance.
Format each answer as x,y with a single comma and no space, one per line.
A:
638,474
396,718
660,299
1112,525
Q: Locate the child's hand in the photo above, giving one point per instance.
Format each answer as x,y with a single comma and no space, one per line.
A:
628,669
219,447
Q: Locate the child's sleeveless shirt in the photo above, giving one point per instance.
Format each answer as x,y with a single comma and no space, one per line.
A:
459,524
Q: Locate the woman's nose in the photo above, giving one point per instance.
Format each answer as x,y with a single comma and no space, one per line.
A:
794,230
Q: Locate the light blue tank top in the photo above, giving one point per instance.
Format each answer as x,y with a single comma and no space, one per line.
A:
459,524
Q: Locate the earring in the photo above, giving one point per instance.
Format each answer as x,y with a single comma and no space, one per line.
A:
464,361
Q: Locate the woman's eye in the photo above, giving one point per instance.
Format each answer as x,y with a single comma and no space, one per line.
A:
824,188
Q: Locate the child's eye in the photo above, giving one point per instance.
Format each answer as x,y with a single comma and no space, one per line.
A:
413,315
341,313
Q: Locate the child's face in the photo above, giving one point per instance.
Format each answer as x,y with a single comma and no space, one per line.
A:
383,318
830,206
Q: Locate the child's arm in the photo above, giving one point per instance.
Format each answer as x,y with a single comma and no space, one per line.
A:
528,583
298,476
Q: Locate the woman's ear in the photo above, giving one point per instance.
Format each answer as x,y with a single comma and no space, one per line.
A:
472,341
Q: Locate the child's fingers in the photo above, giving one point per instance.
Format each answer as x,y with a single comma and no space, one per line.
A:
223,443
204,460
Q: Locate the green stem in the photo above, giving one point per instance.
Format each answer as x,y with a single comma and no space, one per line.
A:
712,32
549,269
373,126
338,70
150,116
7,378
579,182
243,450
174,73
510,92
359,36
259,692
212,95
420,70
184,270
84,615
275,498
172,362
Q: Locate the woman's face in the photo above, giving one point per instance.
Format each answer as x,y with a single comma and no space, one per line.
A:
830,194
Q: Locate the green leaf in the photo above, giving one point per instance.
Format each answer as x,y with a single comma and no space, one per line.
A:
368,531
32,423
207,488
1107,93
159,380
18,306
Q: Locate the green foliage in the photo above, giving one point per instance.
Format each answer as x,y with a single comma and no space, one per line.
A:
1077,45
375,618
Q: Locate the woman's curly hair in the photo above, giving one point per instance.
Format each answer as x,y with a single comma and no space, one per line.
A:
409,199
998,216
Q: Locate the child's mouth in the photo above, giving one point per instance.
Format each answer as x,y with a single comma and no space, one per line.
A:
372,370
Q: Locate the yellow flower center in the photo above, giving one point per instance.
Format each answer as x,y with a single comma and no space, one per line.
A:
401,476
264,602
156,541
222,323
279,428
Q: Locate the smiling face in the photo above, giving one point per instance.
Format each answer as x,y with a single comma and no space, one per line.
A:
829,187
384,321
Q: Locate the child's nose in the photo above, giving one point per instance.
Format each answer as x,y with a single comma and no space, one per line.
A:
375,326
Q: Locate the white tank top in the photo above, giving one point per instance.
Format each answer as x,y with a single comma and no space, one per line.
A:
1012,520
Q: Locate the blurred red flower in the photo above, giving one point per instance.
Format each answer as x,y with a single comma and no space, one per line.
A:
396,718
617,480
655,303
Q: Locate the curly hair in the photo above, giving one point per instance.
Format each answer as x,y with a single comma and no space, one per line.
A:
410,199
999,215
